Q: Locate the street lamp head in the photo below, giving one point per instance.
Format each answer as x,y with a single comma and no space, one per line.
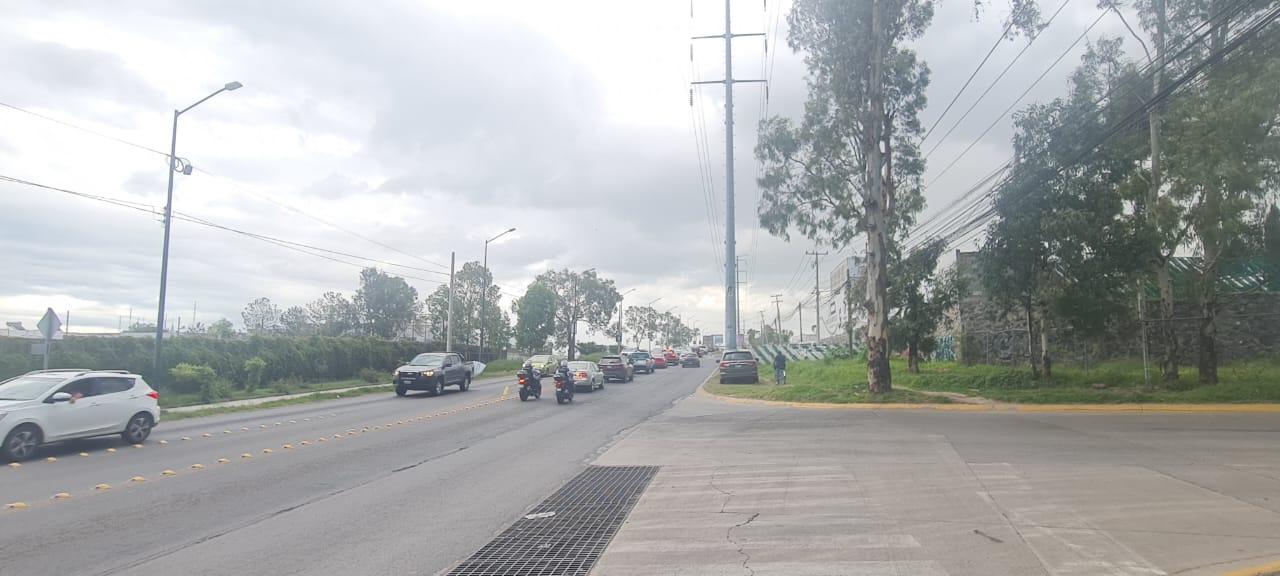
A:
511,229
232,85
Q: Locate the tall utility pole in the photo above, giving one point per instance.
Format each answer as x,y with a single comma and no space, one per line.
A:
762,322
817,294
777,310
737,300
800,312
448,328
730,246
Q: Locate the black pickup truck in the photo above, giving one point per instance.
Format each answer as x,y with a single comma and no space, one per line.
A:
433,371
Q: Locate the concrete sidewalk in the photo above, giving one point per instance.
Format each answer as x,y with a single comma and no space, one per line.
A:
265,399
767,490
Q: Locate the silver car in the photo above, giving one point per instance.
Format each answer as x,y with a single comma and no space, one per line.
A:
586,375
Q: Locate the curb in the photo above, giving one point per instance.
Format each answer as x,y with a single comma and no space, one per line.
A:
1263,570
1005,407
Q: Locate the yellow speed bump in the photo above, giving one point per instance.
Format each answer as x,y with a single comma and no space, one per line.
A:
266,450
246,455
62,496
197,466
15,465
101,487
168,473
137,479
337,435
244,428
303,443
51,459
223,460
16,505
137,445
321,439
226,431
288,446
185,438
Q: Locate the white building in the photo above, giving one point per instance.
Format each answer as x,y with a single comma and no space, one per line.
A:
845,277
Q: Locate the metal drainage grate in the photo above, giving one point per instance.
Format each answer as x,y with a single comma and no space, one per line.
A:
566,533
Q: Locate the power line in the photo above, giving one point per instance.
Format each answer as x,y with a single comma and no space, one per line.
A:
1004,34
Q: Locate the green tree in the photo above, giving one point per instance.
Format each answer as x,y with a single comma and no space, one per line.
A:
386,304
580,297
921,297
222,328
470,283
535,317
1271,247
1224,154
853,166
295,321
639,321
261,316
332,314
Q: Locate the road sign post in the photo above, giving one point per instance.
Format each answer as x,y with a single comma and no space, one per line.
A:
48,325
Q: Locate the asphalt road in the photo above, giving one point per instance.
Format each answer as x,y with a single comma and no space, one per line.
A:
367,485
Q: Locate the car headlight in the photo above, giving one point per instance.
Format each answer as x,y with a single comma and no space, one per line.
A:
429,373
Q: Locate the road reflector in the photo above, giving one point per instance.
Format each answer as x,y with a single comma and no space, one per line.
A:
206,435
163,442
102,487
168,473
16,505
304,443
226,431
223,460
266,450
62,496
321,439
337,435
82,454
14,465
51,459
306,419
246,455
244,428
293,421
137,445
262,426
197,466
111,450
137,479
185,438
277,423
377,427
288,446
365,429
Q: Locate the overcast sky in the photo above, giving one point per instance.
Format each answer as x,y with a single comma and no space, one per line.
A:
426,127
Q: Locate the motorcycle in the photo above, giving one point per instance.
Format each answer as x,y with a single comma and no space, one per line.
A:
564,388
530,385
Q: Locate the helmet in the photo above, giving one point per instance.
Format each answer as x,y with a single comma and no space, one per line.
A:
564,363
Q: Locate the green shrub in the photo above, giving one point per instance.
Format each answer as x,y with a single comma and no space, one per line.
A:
214,390
190,378
254,368
374,376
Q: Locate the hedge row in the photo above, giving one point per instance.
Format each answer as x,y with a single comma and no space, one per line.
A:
309,359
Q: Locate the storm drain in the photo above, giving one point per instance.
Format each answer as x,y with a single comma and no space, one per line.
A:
566,533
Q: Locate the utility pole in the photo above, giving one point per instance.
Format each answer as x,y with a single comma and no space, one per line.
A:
848,303
817,295
730,245
762,323
777,310
800,312
448,330
737,302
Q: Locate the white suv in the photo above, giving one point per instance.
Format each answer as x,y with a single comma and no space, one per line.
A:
55,405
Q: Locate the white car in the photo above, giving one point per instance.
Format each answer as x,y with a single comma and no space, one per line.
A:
55,405
586,375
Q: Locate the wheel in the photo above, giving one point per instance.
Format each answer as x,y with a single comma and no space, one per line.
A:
560,399
524,394
400,391
466,384
22,442
602,384
138,428
437,388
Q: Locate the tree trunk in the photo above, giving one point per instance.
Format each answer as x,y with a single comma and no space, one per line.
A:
913,356
1031,348
573,323
879,378
1046,363
1168,336
1208,335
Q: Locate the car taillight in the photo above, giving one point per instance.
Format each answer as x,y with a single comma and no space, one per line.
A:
724,364
154,395
582,375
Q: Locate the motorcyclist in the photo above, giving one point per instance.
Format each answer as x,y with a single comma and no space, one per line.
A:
780,368
533,375
563,372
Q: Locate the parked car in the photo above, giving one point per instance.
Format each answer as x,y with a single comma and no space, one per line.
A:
545,363
700,350
642,362
433,371
671,357
659,361
739,365
617,367
55,405
586,375
690,360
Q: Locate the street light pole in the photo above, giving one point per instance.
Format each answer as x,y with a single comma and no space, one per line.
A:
484,297
174,165
620,298
652,313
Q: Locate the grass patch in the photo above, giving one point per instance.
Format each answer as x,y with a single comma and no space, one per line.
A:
175,400
507,367
168,416
835,382
1120,382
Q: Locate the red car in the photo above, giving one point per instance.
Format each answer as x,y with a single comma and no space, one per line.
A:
671,357
659,362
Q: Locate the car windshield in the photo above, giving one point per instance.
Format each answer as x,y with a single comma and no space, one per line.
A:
539,359
640,356
580,366
738,356
28,387
428,360
611,360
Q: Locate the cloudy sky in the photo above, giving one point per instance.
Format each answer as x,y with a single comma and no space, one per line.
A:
400,131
